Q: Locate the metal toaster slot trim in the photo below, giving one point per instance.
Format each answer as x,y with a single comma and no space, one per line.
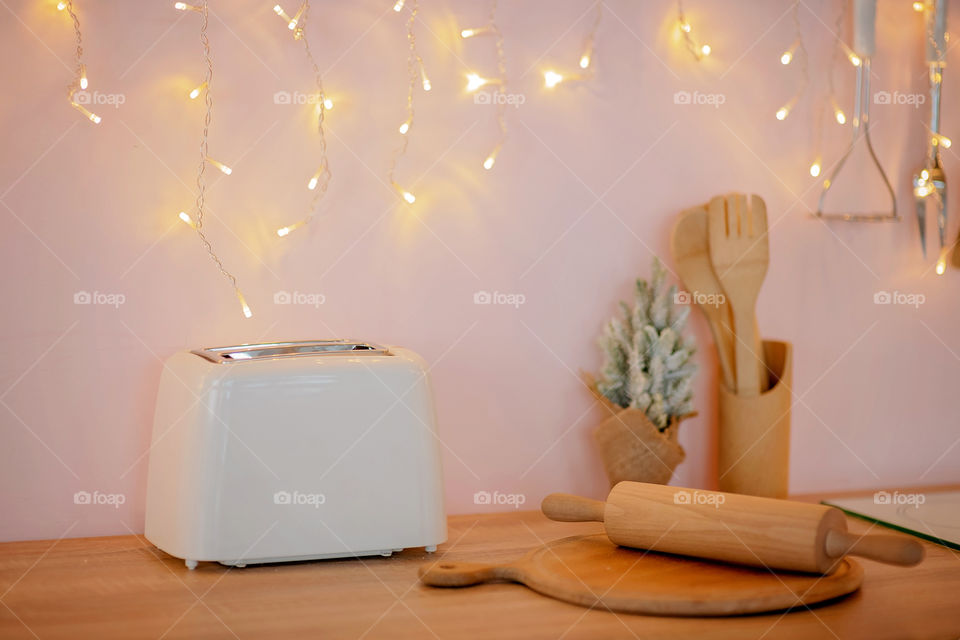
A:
270,350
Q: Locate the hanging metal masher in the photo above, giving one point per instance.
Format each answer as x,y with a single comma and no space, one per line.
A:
865,16
930,183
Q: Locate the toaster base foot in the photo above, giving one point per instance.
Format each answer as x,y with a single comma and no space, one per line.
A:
430,548
191,564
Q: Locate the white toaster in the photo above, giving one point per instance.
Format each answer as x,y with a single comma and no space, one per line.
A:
294,451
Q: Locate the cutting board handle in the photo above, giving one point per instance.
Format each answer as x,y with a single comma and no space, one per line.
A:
890,549
462,574
565,507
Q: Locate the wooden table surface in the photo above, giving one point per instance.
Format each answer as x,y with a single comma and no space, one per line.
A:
123,587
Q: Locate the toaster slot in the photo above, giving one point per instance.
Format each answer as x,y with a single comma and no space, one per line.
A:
270,350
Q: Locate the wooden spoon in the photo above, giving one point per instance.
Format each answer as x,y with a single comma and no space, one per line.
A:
691,257
740,254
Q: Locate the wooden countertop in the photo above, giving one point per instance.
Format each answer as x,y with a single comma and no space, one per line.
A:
123,587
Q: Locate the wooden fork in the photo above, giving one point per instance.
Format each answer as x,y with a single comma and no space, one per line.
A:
740,253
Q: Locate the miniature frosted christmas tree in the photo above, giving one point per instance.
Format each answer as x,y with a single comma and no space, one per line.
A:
647,362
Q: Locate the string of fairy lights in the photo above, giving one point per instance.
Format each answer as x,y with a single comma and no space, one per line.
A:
796,52
205,158
415,73
79,82
553,77
319,182
698,50
474,81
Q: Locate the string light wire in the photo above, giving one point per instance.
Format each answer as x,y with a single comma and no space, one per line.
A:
79,82
697,50
414,72
320,180
204,158
798,52
552,77
587,56
474,81
838,46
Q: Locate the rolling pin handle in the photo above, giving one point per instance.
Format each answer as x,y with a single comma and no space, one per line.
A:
890,549
569,508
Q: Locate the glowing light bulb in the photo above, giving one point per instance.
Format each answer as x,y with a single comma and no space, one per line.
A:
296,18
854,59
406,195
196,90
219,165
839,115
315,179
492,158
941,265
187,219
787,56
327,104
404,127
247,313
94,118
918,6
685,27
83,76
705,50
474,82
924,175
277,9
285,231
424,80
63,5
585,60
552,78
783,112
398,7
470,33
183,6
943,141
815,168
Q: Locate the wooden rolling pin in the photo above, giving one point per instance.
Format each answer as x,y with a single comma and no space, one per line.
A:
764,532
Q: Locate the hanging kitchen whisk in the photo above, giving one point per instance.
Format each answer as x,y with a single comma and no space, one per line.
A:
864,45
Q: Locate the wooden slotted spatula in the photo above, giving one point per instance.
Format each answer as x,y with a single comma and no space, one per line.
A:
740,254
691,255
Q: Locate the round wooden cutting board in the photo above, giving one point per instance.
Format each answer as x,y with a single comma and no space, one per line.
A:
592,571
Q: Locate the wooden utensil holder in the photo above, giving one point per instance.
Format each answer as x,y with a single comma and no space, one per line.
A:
754,446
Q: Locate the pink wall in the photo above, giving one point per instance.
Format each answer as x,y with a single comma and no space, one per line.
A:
94,208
